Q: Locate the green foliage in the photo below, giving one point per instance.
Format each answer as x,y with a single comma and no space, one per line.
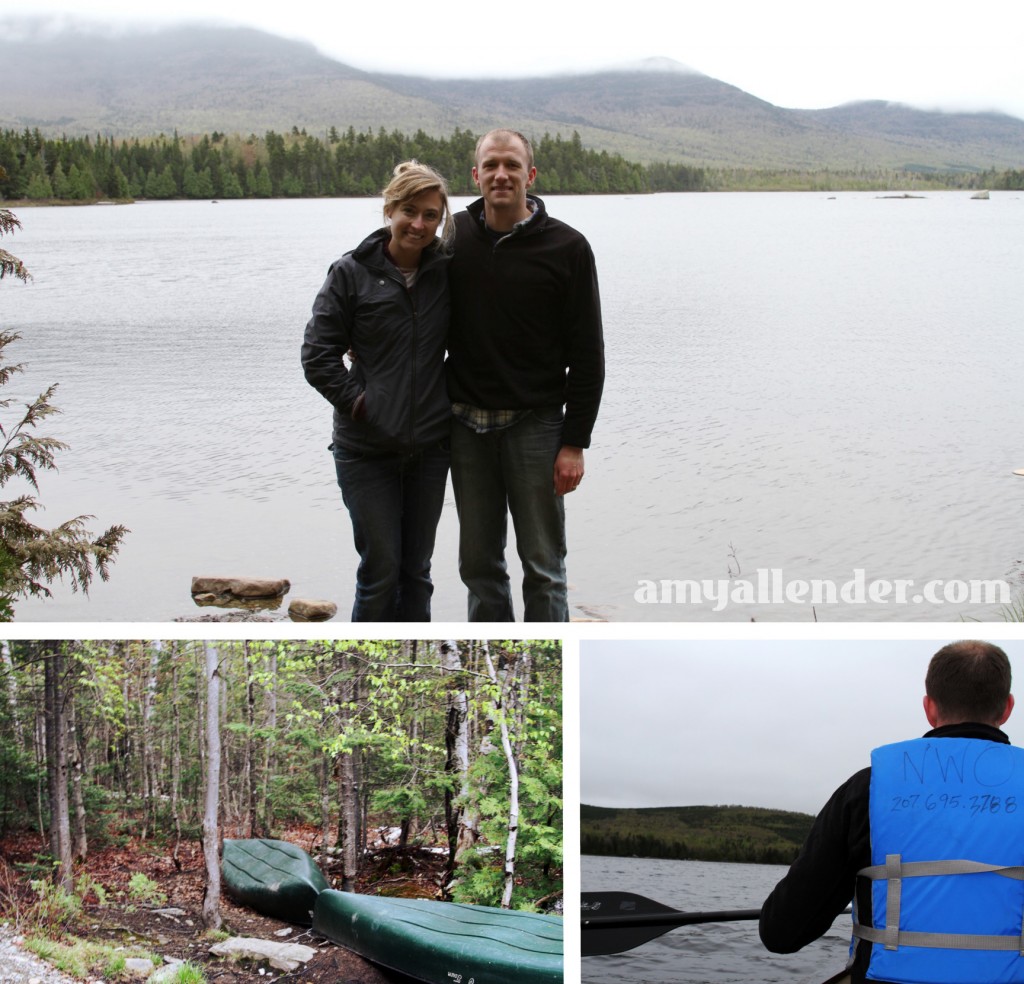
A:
283,166
86,959
529,702
114,965
54,911
480,881
10,265
86,886
401,803
703,833
144,889
384,703
187,973
350,163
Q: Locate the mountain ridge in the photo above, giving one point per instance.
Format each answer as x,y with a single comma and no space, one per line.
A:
747,834
202,79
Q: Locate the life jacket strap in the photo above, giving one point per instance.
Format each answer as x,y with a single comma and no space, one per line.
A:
894,871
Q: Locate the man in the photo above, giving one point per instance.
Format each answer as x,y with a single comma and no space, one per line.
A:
525,342
917,839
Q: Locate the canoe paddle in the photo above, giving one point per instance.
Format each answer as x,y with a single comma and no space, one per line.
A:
613,922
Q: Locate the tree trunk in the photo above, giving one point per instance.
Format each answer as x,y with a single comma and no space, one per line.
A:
12,696
76,747
57,763
502,714
270,753
41,744
211,898
348,782
326,775
460,819
149,779
250,744
175,759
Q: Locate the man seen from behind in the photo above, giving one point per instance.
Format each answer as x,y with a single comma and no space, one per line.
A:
928,843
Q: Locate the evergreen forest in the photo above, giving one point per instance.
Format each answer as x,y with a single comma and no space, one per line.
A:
347,163
699,833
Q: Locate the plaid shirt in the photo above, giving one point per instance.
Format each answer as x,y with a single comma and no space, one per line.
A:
484,421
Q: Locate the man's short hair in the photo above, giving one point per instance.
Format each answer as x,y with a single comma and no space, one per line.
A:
969,681
506,136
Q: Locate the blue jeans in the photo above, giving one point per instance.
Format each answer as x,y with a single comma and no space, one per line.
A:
511,471
395,503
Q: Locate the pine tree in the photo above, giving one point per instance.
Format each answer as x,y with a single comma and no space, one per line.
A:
32,557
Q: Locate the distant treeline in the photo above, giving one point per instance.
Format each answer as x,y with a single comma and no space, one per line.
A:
343,164
350,163
739,850
696,833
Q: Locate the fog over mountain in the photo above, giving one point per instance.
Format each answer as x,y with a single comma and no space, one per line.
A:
76,81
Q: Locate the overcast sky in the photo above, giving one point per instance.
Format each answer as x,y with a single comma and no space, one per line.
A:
797,53
754,723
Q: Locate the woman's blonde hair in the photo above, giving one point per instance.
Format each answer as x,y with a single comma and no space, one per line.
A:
411,179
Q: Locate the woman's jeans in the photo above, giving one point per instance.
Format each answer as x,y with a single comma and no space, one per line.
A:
395,503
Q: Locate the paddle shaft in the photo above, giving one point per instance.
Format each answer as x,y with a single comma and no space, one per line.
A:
629,920
613,922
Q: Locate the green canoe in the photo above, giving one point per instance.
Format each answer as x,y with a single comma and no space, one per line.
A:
273,877
444,942
436,942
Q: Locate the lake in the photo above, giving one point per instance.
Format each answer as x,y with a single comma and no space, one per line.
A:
801,387
710,953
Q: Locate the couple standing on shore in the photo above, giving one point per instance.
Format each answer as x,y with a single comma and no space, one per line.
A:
511,293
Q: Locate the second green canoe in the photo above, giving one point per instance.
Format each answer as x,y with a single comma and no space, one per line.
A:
444,941
273,877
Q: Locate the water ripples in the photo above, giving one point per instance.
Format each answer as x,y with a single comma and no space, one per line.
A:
817,385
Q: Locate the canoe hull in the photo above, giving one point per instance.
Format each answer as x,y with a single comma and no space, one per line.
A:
273,877
444,942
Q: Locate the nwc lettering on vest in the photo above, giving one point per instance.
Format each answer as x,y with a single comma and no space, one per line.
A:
955,763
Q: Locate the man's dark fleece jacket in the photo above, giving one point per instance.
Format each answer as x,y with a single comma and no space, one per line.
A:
526,320
822,880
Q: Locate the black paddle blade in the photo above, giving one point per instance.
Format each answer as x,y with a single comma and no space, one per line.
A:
613,922
600,938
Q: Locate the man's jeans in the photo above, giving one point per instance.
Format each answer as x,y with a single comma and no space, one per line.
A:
514,468
395,502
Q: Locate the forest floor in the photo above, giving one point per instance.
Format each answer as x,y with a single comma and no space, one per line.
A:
168,922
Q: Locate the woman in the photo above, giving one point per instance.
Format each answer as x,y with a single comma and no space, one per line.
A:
387,302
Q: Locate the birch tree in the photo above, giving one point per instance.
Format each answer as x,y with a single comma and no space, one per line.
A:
211,897
502,700
460,818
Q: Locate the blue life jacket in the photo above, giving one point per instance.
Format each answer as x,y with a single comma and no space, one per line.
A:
947,863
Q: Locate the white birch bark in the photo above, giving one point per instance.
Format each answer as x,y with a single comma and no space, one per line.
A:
12,695
461,818
211,898
513,780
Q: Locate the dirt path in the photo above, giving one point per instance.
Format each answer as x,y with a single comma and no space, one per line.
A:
171,926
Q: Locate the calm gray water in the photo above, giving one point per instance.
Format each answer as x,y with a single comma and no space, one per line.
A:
796,382
712,953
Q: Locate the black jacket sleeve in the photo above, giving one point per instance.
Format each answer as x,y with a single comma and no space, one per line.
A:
821,881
